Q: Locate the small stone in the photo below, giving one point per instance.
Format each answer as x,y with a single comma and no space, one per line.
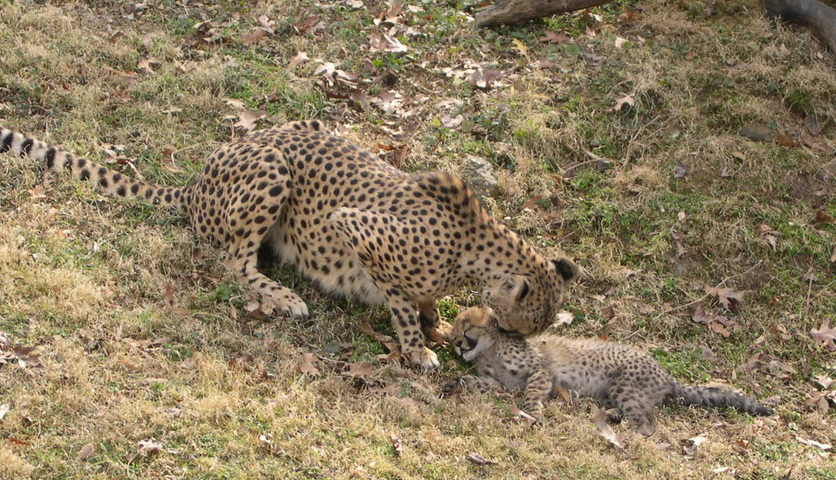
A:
757,132
479,175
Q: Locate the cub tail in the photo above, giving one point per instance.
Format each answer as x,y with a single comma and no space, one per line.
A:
113,183
718,397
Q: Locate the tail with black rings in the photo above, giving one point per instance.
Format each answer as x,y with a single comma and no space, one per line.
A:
53,160
718,398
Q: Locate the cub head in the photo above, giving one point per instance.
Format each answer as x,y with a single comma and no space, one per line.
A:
527,305
473,332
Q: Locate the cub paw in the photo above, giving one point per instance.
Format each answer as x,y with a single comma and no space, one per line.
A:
443,332
422,357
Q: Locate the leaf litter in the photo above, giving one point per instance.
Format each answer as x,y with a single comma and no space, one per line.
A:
599,419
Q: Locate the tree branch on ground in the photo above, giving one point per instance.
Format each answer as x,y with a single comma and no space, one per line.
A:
515,12
813,13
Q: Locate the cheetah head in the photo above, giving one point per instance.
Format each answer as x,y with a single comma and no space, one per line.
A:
527,305
473,332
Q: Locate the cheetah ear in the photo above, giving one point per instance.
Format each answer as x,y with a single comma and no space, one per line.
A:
566,268
517,287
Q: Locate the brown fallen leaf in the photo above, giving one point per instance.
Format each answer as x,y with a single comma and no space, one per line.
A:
727,297
148,447
700,316
690,445
809,276
770,235
148,65
248,117
677,238
389,102
517,45
719,328
823,217
740,446
785,140
359,369
392,14
4,409
307,366
17,441
169,295
360,99
564,318
552,37
383,42
608,312
483,77
297,59
563,394
396,444
37,193
645,309
254,36
452,121
756,360
479,460
813,124
819,399
620,102
309,25
599,419
833,255
267,24
86,452
544,63
332,74
825,336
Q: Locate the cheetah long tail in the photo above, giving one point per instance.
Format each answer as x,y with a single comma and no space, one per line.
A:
718,397
113,183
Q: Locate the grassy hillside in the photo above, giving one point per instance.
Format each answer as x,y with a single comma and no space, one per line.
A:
615,135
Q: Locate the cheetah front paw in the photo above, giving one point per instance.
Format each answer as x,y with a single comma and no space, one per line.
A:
285,302
422,357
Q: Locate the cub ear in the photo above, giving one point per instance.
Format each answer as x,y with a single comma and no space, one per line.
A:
517,287
566,268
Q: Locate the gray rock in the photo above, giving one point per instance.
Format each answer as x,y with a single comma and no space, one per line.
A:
479,175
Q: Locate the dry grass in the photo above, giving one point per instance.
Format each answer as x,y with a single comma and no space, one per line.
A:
84,278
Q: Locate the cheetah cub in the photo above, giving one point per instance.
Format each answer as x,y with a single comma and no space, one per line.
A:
617,376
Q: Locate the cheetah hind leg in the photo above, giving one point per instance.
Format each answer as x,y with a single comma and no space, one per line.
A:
636,406
250,216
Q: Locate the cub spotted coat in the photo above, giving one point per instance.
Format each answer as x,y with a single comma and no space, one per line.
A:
615,375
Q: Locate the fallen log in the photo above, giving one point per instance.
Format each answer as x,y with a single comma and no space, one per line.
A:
515,12
813,13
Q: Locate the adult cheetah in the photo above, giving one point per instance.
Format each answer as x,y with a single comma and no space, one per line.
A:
352,223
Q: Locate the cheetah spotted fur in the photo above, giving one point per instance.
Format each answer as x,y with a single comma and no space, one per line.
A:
352,223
